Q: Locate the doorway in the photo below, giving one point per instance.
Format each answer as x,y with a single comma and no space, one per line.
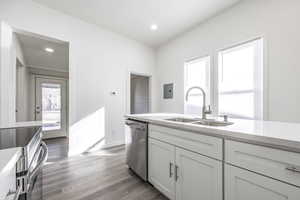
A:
51,105
139,94
42,74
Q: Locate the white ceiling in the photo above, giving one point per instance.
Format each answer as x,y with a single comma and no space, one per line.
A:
33,48
133,17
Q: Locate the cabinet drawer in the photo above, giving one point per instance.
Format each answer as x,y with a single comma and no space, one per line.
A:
202,144
241,184
278,164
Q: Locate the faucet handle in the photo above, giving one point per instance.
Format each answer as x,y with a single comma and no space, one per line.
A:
208,110
225,117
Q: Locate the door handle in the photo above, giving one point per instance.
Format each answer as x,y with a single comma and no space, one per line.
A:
38,110
176,173
170,170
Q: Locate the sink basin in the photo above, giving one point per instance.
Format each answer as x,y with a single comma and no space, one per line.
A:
197,121
212,122
183,120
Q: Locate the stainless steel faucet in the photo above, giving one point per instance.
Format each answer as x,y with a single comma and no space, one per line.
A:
205,111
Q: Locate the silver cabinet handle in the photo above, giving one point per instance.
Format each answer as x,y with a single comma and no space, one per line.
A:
293,169
170,170
176,173
31,175
15,193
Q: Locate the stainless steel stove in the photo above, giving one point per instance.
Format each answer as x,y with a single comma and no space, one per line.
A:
34,155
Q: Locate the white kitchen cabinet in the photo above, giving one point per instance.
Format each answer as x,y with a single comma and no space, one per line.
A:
199,177
202,144
161,162
274,163
184,175
245,185
8,183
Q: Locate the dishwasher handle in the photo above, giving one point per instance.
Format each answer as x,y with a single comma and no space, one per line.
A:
134,123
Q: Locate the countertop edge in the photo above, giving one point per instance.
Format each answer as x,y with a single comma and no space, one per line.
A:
275,143
9,160
22,124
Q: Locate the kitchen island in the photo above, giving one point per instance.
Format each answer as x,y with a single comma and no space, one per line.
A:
8,159
246,160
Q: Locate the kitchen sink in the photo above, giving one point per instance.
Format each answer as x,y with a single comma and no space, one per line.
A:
197,121
183,120
212,122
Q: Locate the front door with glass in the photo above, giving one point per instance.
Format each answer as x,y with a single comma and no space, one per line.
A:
51,106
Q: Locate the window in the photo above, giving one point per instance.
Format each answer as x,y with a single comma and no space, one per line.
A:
235,87
240,81
51,106
197,73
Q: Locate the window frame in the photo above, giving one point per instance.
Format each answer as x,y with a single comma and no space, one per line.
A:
258,81
260,86
210,75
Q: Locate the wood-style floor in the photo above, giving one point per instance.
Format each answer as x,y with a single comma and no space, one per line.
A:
100,175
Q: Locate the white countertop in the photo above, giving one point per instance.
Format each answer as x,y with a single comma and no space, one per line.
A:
279,135
8,159
23,124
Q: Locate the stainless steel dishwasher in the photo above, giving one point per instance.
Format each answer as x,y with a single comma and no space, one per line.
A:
136,137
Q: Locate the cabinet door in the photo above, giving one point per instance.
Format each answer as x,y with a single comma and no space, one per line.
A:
161,167
199,177
8,182
244,185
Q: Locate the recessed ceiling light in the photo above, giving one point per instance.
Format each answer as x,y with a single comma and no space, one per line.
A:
153,27
49,50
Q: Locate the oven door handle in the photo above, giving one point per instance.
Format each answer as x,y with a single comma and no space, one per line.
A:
40,164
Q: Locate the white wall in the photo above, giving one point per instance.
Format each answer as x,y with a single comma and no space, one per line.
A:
99,63
276,20
22,83
22,94
7,75
19,50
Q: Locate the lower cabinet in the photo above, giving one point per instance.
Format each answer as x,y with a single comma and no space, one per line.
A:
199,177
161,162
241,184
184,175
8,183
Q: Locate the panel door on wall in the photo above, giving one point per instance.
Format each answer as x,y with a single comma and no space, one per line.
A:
51,106
244,185
161,167
199,177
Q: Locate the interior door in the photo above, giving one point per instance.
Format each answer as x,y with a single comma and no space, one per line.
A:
199,177
51,106
161,167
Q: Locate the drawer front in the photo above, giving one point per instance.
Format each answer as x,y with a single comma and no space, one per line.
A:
202,144
278,164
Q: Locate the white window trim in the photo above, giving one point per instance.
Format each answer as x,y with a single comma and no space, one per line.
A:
259,85
214,66
209,74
